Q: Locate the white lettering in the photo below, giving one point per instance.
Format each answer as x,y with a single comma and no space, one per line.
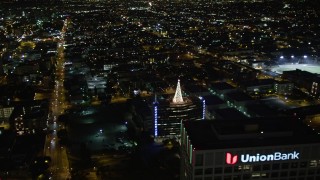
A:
269,157
263,158
252,159
295,155
245,159
277,156
284,157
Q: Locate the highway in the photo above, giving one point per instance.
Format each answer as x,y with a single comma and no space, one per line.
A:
59,166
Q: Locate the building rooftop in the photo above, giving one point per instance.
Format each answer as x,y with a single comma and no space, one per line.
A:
228,113
222,86
261,110
239,96
235,133
213,100
195,88
259,82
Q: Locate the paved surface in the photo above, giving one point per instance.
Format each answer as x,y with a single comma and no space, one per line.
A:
59,165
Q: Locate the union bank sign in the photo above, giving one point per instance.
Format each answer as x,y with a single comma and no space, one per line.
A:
248,158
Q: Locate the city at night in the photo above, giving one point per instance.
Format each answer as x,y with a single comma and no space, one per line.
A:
159,90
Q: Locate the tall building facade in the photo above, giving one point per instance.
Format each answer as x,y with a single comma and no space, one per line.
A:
5,113
169,113
273,149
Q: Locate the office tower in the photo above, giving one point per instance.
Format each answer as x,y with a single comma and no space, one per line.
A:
273,149
168,113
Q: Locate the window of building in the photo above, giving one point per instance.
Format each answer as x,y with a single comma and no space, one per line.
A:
310,178
217,178
199,160
265,175
274,174
228,170
245,167
219,158
208,178
255,175
293,173
285,165
294,165
198,172
246,176
311,171
218,170
259,175
236,169
313,163
256,168
302,173
284,174
209,159
276,166
266,167
303,164
237,177
208,171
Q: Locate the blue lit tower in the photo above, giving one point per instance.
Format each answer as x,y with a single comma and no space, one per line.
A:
168,113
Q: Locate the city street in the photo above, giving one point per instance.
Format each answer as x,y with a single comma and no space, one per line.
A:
59,165
88,90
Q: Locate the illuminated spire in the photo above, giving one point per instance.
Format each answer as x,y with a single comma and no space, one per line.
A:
178,96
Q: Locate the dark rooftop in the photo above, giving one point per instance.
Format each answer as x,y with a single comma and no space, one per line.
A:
229,113
238,96
235,133
259,82
195,89
222,86
261,110
213,100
